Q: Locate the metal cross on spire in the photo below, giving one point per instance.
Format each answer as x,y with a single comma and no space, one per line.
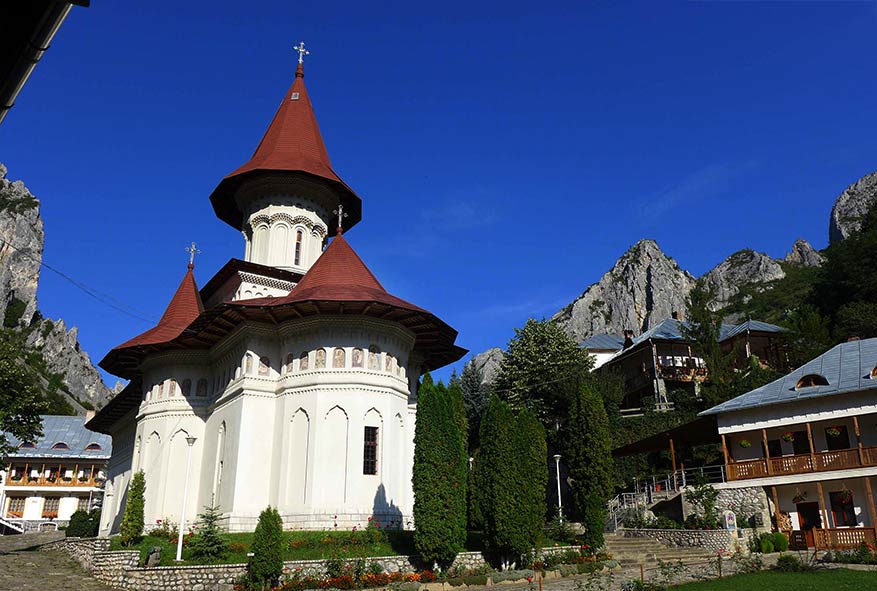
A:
302,52
341,215
192,250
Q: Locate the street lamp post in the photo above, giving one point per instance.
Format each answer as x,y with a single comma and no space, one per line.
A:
559,500
190,441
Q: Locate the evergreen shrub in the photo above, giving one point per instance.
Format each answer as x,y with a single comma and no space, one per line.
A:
131,529
266,564
780,542
83,525
208,545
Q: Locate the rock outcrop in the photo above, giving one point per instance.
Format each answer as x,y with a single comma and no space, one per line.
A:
643,288
804,254
22,228
63,355
21,251
488,364
850,206
741,269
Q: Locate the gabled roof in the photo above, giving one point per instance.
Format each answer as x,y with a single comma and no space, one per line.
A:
292,144
847,367
69,430
184,307
603,342
671,330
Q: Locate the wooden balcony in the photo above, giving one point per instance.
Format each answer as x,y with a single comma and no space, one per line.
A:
53,481
825,461
844,538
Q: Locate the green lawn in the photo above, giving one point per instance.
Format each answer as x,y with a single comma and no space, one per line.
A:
821,580
304,545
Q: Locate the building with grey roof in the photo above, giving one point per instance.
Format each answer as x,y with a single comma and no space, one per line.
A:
46,480
809,439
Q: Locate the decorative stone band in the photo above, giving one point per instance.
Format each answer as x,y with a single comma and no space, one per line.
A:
120,568
266,281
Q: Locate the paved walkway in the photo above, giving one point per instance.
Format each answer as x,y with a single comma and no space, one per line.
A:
44,571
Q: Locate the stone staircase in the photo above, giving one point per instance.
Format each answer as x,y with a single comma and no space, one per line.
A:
631,551
25,541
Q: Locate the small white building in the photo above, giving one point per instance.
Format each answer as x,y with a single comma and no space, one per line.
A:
810,439
291,379
45,481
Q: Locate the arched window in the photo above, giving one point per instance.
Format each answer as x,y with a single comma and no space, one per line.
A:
811,380
61,446
320,359
303,362
358,358
390,364
298,238
248,365
374,358
93,447
874,373
201,392
264,366
171,388
339,358
187,387
289,359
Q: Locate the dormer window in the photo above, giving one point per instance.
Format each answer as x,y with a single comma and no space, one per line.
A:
93,447
26,445
811,380
61,446
874,373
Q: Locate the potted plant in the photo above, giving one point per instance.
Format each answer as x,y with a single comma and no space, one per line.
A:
845,495
799,497
788,437
745,443
833,431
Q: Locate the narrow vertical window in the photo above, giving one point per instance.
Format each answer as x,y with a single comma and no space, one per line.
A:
298,238
370,451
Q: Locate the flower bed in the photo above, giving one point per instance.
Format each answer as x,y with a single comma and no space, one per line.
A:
865,554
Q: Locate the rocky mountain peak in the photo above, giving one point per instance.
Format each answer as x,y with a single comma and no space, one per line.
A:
804,254
850,206
743,268
644,287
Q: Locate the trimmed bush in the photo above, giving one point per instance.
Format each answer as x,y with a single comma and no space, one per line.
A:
266,565
789,563
512,575
766,545
83,525
780,542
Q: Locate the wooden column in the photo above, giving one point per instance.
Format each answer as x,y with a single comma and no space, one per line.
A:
766,451
776,505
812,449
871,501
822,505
673,455
727,458
859,440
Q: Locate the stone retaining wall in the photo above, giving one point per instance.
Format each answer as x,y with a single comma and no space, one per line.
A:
120,568
710,539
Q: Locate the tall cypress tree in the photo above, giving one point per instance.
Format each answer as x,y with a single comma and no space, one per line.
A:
511,482
439,477
532,451
132,522
589,458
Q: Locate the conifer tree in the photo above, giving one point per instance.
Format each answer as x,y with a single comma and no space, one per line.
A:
476,396
266,565
131,529
208,544
508,495
532,452
589,458
439,476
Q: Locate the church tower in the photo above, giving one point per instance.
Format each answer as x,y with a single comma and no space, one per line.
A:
282,199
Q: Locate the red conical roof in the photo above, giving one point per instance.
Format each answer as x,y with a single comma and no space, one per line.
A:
292,144
183,309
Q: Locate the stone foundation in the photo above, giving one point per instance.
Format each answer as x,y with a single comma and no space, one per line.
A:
749,505
121,570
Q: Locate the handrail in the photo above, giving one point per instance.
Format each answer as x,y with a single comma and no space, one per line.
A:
821,461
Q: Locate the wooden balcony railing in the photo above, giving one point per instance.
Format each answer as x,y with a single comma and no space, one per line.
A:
841,538
52,481
803,464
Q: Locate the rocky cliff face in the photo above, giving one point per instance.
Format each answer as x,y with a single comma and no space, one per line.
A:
742,268
488,364
850,206
21,250
22,228
804,254
643,288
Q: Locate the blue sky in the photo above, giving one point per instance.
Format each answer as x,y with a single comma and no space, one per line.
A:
506,153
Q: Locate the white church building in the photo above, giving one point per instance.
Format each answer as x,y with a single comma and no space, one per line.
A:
290,379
